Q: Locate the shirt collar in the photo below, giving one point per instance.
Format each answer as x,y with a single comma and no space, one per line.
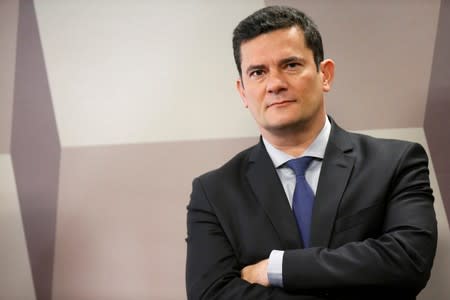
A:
316,149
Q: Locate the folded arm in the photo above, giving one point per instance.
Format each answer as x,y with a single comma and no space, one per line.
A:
399,259
212,268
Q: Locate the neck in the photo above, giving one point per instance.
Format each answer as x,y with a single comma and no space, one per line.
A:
294,141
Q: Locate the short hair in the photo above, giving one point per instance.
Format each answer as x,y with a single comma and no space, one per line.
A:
273,18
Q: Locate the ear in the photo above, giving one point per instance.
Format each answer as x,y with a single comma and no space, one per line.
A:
327,69
240,88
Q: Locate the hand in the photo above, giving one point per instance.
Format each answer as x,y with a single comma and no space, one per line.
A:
256,273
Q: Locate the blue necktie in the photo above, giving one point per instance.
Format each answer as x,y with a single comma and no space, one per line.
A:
303,199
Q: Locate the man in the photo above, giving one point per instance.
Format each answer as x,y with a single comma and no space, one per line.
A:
359,223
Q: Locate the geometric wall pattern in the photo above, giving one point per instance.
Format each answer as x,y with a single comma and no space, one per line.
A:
103,106
35,151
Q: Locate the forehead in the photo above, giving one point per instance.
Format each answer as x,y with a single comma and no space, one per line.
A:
276,44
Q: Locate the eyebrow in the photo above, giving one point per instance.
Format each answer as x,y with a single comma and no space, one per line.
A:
254,67
291,59
283,61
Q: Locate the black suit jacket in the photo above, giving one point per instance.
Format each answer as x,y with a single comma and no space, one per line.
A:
373,227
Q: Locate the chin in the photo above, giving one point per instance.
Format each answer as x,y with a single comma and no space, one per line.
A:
285,126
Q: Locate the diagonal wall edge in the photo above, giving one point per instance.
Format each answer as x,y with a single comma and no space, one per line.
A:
35,150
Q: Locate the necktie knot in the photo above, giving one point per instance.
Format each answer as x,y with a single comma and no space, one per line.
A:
299,165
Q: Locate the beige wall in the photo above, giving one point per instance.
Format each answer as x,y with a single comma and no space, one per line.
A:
8,32
121,217
143,71
15,278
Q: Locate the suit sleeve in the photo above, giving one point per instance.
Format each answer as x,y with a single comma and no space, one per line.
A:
212,269
400,259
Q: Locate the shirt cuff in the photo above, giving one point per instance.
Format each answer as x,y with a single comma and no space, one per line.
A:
275,268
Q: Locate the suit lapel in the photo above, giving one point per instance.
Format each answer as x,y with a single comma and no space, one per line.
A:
269,191
336,169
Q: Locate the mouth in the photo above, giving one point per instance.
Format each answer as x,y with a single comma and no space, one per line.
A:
280,103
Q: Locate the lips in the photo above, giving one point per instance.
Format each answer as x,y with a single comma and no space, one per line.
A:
280,103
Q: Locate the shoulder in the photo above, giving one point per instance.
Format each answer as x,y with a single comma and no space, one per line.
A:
367,146
383,147
375,155
387,159
377,143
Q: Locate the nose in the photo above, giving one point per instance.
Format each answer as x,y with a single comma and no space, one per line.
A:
276,83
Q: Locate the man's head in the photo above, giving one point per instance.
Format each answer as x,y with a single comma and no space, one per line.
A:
283,75
273,18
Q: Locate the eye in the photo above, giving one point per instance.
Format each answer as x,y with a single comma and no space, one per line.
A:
292,65
256,73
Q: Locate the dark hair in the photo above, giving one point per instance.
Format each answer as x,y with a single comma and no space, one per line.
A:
272,18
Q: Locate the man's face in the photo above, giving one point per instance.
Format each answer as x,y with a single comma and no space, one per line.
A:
280,83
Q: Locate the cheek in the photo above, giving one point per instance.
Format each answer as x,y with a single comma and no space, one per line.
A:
308,88
255,99
255,108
